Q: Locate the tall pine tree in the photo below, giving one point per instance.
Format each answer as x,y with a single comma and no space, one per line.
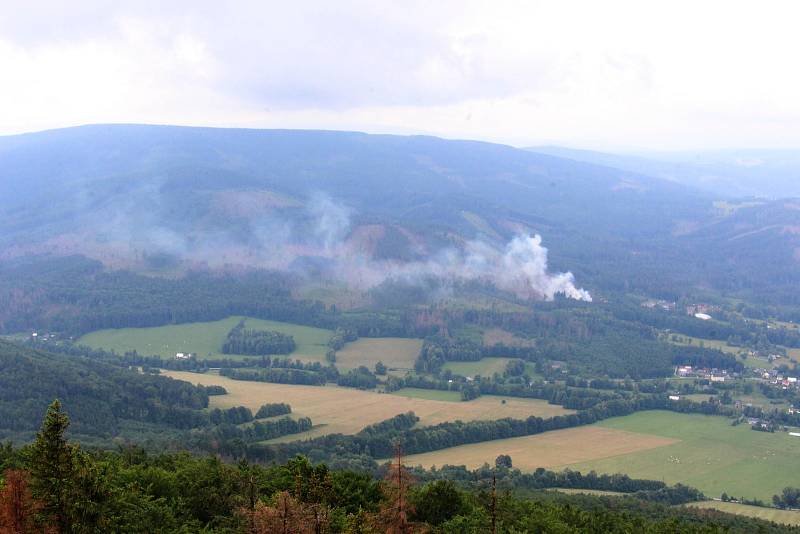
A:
52,468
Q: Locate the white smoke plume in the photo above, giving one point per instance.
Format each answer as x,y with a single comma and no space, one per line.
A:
519,268
318,229
331,220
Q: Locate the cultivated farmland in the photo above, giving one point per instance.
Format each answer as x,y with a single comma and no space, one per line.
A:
545,450
335,409
786,517
702,451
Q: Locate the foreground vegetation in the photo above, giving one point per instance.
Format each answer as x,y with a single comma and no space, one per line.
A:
55,486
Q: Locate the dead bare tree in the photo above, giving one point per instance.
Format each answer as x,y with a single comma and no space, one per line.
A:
286,515
17,506
394,516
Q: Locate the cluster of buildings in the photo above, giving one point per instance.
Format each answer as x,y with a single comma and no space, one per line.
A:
38,336
780,380
702,309
665,305
712,375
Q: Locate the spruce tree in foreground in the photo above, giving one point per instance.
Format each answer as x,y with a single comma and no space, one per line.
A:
52,467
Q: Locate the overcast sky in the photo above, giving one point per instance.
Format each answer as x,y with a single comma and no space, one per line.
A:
596,74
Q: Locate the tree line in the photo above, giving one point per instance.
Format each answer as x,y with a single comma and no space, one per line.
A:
241,340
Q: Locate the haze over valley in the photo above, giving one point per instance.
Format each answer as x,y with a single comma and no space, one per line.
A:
456,267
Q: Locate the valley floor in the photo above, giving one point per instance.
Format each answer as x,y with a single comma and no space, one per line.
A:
705,452
335,409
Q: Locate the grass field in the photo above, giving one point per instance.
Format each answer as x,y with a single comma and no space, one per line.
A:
702,451
483,367
205,339
576,491
711,455
751,362
430,394
769,514
708,343
394,352
335,409
756,398
545,450
494,336
792,354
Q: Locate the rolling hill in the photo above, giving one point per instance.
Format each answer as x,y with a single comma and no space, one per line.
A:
103,400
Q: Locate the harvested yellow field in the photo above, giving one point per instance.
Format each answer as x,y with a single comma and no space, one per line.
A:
550,449
335,409
394,352
787,517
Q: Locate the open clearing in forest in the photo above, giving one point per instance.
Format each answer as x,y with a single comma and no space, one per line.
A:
482,367
394,352
684,340
549,449
577,491
334,409
495,336
205,339
786,517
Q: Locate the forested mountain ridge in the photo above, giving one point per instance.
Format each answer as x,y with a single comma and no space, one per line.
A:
165,198
764,173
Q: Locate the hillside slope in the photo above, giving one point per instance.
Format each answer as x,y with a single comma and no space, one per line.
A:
163,198
102,399
727,173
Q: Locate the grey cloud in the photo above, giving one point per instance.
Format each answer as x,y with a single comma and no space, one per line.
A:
314,55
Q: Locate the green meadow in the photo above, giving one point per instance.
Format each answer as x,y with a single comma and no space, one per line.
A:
482,367
429,394
205,339
711,455
485,367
